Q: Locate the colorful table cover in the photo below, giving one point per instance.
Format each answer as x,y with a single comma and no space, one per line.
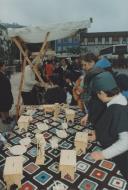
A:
90,175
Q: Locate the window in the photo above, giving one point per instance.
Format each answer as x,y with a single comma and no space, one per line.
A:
100,40
124,40
76,39
106,39
59,41
64,48
91,40
59,48
67,40
115,39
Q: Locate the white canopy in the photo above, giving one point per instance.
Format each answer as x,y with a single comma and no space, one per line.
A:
36,34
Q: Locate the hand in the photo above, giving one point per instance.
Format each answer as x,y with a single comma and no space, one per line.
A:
84,120
97,155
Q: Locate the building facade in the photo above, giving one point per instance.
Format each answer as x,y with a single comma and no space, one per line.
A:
94,42
67,44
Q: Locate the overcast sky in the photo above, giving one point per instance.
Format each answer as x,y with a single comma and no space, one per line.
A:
108,15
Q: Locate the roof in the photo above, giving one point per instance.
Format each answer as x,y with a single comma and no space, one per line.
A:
106,34
36,34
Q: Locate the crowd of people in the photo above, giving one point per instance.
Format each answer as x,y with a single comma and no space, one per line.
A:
90,83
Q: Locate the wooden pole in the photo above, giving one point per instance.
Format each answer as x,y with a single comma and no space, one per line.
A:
20,87
28,60
43,49
20,58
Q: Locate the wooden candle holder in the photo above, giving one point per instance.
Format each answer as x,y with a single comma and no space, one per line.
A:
70,115
48,108
23,122
81,142
41,143
67,165
13,171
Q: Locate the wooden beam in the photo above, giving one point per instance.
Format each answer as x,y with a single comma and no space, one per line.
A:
20,88
43,50
15,40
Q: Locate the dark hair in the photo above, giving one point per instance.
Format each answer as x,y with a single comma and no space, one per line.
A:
113,92
122,81
72,75
89,57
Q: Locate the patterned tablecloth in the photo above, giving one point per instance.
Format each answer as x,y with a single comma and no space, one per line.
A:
90,175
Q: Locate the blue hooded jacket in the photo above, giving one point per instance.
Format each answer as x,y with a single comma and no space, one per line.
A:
103,63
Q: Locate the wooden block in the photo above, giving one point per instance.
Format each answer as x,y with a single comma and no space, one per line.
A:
40,158
64,106
40,138
48,108
57,109
67,163
70,115
81,142
81,137
13,171
23,122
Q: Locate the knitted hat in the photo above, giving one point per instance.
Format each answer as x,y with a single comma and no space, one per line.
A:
103,82
103,63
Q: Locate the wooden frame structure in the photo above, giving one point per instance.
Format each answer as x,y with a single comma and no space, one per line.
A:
27,34
19,43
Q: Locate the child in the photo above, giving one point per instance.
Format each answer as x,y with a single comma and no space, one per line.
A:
112,127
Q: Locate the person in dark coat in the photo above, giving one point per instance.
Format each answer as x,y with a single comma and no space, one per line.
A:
95,106
6,98
112,128
58,70
55,93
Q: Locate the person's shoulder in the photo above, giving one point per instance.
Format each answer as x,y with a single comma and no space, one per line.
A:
117,108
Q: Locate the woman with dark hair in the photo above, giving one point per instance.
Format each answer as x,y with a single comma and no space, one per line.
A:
55,93
6,98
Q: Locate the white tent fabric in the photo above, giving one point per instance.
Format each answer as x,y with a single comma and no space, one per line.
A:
36,34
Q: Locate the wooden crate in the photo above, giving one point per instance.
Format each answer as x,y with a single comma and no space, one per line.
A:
70,115
81,142
23,122
67,165
13,171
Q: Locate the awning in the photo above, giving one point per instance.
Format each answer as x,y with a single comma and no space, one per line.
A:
36,34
